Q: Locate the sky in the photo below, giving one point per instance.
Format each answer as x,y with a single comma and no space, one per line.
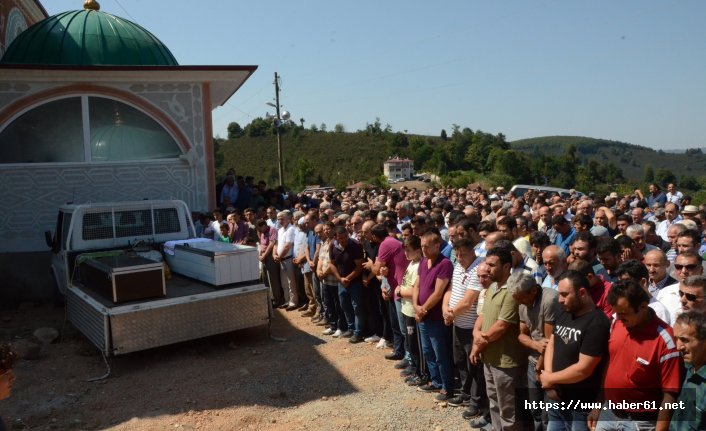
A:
630,71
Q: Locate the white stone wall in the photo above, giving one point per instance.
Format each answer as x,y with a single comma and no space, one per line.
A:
31,193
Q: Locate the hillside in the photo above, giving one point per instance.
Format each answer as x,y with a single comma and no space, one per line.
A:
329,158
632,159
339,158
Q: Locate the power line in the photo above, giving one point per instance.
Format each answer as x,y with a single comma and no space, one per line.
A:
125,10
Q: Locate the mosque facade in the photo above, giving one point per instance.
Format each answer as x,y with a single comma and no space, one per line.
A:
95,108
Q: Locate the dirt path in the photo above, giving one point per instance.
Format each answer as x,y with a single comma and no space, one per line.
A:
242,380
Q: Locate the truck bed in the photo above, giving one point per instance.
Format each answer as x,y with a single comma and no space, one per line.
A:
191,310
177,287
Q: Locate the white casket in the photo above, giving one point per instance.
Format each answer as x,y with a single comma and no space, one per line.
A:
216,263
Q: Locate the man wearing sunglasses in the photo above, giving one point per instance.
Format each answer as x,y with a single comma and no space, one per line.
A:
692,294
687,264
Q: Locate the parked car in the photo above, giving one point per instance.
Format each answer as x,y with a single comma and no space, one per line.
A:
520,189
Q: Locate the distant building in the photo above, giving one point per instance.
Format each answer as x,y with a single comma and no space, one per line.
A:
395,169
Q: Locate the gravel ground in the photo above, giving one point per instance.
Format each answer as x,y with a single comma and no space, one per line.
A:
242,380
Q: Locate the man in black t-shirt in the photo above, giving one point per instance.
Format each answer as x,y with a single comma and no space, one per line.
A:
347,259
573,360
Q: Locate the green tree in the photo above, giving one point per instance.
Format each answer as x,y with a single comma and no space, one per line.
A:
374,129
323,127
649,173
688,182
218,156
259,127
304,172
664,176
443,135
339,128
234,130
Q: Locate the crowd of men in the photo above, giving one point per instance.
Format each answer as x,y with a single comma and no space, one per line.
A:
525,310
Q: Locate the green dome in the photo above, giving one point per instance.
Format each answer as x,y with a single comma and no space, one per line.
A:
88,38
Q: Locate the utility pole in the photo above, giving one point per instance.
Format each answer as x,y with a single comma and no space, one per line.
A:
278,122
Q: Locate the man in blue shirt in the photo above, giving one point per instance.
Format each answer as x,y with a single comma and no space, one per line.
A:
565,233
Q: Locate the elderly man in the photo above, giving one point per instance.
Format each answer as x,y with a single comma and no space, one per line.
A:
538,309
690,332
657,266
672,236
554,259
643,365
282,253
637,235
686,265
671,213
637,214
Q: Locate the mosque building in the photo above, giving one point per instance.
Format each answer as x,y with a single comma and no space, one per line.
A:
94,108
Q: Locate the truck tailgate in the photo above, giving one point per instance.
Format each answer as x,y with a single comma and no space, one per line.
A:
137,326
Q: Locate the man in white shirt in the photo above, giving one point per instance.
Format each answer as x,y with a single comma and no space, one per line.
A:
673,195
283,254
686,264
671,212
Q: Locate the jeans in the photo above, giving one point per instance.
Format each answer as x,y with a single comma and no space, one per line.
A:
397,336
608,421
412,337
334,313
400,322
535,393
352,304
318,293
436,346
568,420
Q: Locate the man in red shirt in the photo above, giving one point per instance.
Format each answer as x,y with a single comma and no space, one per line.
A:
644,365
598,287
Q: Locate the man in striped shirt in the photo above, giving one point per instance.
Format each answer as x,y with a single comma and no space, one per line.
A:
459,310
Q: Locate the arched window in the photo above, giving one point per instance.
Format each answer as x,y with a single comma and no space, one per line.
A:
85,129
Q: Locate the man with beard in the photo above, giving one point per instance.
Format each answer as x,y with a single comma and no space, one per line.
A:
495,341
575,352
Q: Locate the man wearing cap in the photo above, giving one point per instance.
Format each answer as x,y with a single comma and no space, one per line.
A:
690,211
671,212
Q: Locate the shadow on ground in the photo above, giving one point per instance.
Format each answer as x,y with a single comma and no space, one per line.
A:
243,368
